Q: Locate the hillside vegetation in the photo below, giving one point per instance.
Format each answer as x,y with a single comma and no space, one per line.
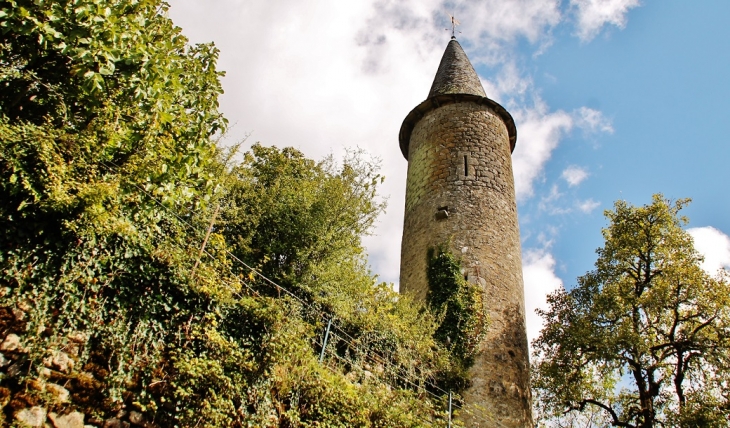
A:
148,279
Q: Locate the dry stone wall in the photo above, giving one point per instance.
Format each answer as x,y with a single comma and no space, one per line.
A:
460,190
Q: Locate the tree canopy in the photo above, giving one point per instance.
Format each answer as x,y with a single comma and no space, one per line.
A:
643,340
111,305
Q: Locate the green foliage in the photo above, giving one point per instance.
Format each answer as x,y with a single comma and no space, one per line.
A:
645,337
73,61
460,312
110,178
292,216
300,223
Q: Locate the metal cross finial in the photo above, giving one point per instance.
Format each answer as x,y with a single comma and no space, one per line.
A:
454,23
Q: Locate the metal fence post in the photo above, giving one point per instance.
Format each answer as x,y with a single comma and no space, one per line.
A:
324,343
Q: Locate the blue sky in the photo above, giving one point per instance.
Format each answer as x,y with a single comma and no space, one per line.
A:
613,99
662,83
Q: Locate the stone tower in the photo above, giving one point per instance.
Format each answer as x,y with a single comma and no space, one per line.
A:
460,190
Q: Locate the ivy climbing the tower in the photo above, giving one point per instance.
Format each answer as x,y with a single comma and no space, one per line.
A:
459,310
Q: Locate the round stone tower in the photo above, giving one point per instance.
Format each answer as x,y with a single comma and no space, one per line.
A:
460,191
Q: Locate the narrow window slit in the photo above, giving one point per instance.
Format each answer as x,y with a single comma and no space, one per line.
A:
466,166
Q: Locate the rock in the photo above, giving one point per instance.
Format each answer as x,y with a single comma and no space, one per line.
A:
136,418
115,423
18,314
59,393
33,417
3,361
44,373
72,420
11,343
59,361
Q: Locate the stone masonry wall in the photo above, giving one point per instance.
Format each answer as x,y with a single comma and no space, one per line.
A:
460,164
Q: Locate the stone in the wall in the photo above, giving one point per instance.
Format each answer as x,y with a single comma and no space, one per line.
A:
59,361
59,393
32,417
11,343
44,373
72,420
18,314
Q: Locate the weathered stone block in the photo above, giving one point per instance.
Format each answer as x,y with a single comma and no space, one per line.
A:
32,417
72,420
11,343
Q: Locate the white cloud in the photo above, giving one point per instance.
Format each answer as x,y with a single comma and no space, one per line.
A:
322,76
592,15
554,204
552,196
540,132
509,85
714,245
574,175
493,26
538,270
592,121
587,206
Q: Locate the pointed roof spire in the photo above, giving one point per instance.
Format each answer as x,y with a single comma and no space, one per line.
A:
456,75
455,82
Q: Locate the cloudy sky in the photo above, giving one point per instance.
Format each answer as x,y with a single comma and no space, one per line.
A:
613,99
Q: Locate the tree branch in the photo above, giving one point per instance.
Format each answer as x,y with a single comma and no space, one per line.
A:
615,420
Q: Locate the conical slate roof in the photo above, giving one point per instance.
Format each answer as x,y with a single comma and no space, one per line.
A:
456,75
455,82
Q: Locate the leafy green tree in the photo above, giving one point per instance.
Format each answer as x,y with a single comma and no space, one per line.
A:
109,180
300,223
292,216
645,337
98,97
107,116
